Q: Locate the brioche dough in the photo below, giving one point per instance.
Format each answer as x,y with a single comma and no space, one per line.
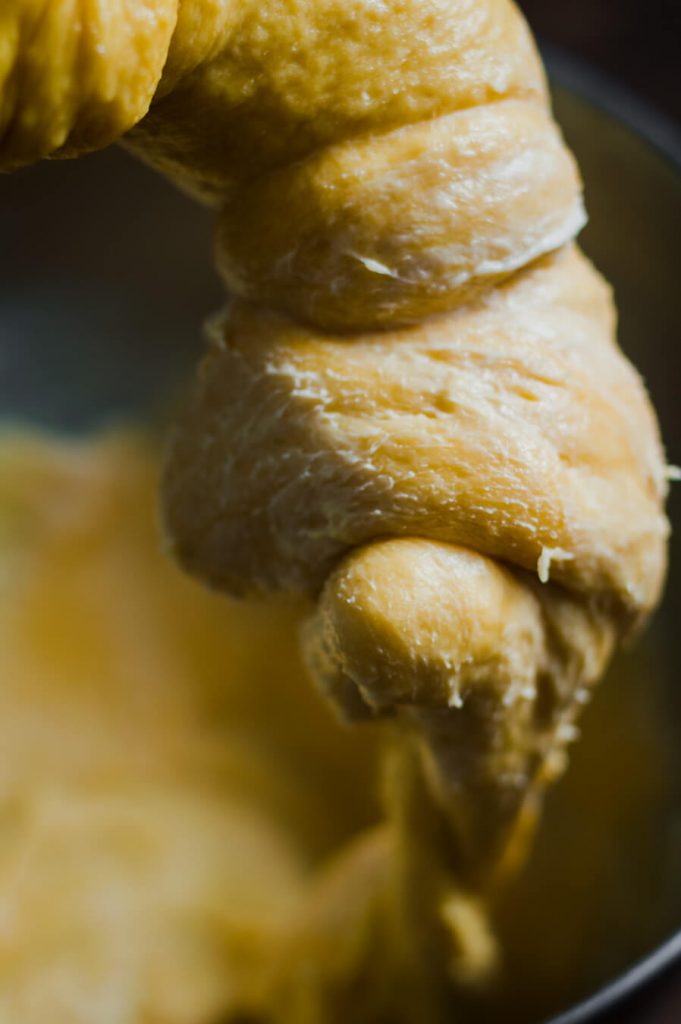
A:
413,416
180,811
169,780
513,425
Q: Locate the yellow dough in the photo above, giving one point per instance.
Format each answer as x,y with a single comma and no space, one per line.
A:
413,416
169,782
180,813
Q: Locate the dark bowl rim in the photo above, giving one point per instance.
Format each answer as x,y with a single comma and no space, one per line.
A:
664,136
611,97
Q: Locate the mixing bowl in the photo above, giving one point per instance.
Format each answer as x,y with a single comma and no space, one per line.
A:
105,278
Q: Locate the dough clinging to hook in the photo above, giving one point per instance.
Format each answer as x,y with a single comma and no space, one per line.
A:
414,413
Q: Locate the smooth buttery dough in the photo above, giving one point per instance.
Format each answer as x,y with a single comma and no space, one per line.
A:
413,415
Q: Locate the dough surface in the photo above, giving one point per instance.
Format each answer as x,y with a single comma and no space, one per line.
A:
413,416
179,809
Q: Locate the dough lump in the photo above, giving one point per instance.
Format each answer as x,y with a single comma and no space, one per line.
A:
413,415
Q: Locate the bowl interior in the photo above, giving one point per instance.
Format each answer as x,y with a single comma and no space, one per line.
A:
105,279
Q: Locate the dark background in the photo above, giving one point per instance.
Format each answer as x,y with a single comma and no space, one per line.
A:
637,42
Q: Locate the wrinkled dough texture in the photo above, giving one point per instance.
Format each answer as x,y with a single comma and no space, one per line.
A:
396,227
484,662
251,86
76,74
416,392
513,426
228,97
